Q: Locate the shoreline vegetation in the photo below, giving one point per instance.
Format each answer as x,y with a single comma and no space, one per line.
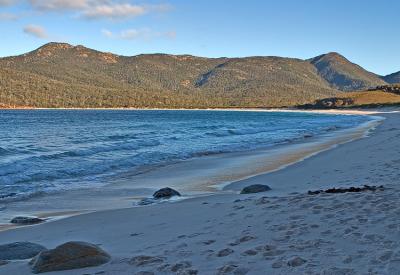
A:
326,232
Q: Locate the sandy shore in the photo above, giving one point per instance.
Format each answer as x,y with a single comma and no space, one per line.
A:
194,177
352,233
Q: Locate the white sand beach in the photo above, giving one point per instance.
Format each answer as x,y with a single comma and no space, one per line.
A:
284,231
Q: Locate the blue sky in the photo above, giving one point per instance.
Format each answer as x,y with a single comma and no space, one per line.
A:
366,32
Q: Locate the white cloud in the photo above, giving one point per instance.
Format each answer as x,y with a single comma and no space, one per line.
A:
107,33
136,34
114,11
8,17
36,31
59,4
7,2
98,9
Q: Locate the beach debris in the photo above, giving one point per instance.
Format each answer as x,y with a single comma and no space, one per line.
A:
20,250
348,190
70,255
142,260
255,188
165,193
26,220
296,261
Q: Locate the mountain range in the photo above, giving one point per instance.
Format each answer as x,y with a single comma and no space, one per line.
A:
62,75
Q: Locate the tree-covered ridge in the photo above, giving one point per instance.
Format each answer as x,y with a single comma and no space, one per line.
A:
62,75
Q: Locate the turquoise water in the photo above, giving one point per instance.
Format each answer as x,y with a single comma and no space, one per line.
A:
52,150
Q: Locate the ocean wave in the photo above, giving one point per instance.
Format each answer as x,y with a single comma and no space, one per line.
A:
62,156
4,152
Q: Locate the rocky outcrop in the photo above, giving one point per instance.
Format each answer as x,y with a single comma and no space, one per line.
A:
329,103
255,188
20,250
70,255
166,193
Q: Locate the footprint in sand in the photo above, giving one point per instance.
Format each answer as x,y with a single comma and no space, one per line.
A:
232,269
249,252
144,260
225,252
242,240
208,242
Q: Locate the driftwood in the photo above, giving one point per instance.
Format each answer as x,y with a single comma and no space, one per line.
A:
347,190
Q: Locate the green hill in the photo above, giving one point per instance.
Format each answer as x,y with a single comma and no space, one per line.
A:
62,75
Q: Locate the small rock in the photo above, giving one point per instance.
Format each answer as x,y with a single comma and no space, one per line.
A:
26,220
20,250
145,273
225,252
145,260
166,193
296,261
255,188
70,255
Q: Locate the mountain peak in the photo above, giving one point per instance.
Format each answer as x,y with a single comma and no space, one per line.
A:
62,50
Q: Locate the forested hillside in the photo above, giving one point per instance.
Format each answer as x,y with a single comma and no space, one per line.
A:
62,75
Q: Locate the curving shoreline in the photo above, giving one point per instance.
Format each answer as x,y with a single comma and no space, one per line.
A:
351,233
206,175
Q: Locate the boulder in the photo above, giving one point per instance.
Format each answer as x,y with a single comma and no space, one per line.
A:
165,193
255,188
70,255
20,250
26,220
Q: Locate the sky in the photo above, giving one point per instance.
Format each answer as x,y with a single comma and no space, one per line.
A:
364,31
